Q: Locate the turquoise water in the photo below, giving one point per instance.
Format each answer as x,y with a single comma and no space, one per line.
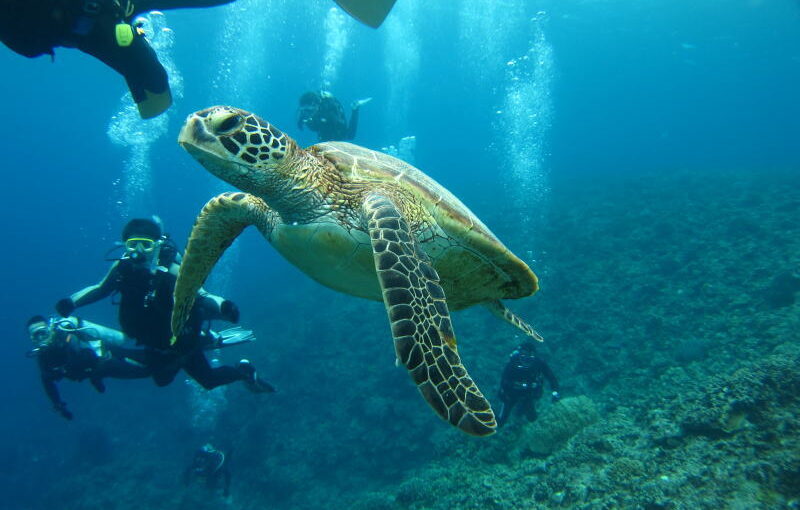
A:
642,157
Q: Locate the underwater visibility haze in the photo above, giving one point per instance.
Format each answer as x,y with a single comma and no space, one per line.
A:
642,157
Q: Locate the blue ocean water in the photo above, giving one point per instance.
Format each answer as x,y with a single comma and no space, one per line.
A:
511,103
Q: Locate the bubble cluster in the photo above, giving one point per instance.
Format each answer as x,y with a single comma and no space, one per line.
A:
402,63
206,406
524,123
133,192
240,75
337,33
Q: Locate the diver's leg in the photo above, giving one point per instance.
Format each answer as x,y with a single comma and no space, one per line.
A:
163,376
125,368
226,491
163,366
508,404
196,365
353,126
137,63
529,407
163,5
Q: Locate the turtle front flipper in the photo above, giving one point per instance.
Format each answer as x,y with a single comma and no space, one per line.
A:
423,334
222,219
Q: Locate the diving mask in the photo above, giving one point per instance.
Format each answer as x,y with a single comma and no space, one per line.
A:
40,333
143,252
140,244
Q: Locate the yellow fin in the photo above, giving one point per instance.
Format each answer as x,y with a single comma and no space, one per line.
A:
369,12
154,104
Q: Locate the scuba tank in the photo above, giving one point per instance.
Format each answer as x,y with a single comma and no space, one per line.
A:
98,337
78,334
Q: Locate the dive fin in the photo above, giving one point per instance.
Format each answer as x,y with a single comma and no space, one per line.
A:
234,336
369,12
154,104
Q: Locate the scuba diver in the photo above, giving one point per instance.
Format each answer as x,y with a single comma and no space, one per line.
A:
104,29
210,464
522,382
144,277
107,30
77,349
322,113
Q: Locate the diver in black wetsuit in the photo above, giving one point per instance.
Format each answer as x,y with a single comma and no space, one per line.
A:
210,464
106,30
522,382
75,349
322,113
145,279
101,28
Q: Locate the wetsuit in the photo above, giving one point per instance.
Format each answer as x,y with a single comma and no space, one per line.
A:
35,27
212,465
326,117
145,311
77,356
522,384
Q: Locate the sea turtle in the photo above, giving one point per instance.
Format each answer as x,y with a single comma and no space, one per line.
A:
364,223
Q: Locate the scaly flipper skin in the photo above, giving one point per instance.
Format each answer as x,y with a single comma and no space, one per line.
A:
423,334
500,310
222,219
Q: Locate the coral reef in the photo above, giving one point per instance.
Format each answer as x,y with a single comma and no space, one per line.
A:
558,424
670,312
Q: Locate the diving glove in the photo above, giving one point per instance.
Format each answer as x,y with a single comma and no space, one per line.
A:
61,408
361,102
65,307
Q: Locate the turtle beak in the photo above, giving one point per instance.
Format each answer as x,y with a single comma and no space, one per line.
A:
198,140
194,132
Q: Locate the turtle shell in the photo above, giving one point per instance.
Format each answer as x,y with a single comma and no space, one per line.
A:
482,258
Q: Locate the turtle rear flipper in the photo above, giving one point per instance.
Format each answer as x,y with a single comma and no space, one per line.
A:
423,334
499,310
222,219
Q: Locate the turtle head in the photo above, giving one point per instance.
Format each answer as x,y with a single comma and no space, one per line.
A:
238,147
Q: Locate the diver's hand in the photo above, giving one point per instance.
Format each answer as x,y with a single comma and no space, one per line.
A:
98,384
229,311
61,408
361,102
65,307
555,397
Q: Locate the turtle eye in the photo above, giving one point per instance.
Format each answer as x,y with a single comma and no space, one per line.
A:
228,124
